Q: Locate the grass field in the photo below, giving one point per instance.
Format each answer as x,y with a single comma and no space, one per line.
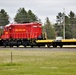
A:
37,62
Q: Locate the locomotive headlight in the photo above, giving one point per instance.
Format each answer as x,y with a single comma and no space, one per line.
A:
6,32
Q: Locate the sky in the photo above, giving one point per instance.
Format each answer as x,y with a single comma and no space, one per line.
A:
41,8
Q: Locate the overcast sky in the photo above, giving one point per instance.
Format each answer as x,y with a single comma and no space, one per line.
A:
41,8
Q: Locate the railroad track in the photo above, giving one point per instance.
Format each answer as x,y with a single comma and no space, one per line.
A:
41,48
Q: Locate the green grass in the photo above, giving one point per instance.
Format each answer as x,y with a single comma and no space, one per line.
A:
36,62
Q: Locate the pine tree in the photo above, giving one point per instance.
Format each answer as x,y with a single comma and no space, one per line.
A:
32,17
4,18
72,21
49,29
21,16
70,25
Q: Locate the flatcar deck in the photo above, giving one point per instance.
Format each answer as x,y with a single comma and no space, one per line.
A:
44,41
68,40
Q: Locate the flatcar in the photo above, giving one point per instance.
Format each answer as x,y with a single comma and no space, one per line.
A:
63,42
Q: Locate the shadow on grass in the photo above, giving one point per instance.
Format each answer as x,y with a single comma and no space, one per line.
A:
11,64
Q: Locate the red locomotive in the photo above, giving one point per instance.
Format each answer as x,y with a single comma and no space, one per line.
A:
21,34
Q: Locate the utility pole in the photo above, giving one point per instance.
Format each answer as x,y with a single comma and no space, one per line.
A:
63,23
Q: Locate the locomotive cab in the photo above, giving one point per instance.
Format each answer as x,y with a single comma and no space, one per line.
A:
5,34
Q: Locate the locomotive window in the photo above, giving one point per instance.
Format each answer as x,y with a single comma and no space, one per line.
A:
6,29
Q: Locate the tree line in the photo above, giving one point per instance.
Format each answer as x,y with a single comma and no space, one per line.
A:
52,30
70,25
22,16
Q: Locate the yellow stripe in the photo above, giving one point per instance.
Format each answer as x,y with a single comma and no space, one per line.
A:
44,41
69,40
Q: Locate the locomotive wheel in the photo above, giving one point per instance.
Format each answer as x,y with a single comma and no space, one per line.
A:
54,46
11,46
17,45
31,46
48,45
38,46
4,45
25,46
61,46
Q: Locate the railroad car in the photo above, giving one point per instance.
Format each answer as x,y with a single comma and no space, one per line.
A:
21,34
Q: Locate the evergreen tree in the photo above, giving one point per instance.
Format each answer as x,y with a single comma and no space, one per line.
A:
70,25
59,18
48,28
4,18
68,34
59,24
32,17
21,16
